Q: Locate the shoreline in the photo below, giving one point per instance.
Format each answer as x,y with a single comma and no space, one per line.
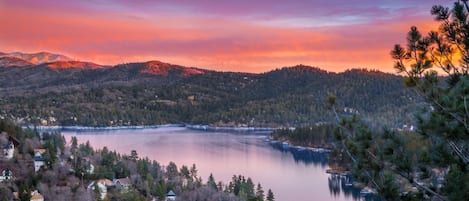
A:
207,128
287,145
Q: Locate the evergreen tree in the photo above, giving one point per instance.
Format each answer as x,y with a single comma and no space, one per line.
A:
211,182
457,186
259,193
24,193
133,155
171,170
445,121
270,195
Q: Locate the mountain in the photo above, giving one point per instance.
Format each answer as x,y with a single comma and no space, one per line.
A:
154,92
37,58
74,64
66,75
164,69
7,61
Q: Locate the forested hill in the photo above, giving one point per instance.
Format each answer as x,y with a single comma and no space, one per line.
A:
82,93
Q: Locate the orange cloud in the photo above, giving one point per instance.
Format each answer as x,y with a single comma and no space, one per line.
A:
213,42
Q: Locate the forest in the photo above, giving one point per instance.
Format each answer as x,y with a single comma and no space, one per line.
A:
291,96
432,162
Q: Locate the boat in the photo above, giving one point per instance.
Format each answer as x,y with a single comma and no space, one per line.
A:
366,191
300,148
348,181
285,145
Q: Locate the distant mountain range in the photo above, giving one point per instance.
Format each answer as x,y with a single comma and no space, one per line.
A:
26,59
51,89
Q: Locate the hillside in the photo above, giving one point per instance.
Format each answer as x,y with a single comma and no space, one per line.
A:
82,93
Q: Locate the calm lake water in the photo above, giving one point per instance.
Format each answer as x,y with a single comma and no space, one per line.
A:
291,174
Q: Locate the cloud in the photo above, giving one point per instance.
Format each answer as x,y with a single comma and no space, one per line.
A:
252,36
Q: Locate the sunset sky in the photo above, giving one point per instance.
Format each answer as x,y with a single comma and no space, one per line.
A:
227,35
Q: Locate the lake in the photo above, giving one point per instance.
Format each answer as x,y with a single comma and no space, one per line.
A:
292,174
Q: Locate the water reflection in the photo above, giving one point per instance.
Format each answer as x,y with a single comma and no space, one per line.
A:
305,156
339,184
291,173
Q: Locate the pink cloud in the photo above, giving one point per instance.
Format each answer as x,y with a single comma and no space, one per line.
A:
220,35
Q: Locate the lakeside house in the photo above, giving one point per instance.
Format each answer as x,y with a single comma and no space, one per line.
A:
9,147
103,185
122,183
89,167
39,160
7,175
170,196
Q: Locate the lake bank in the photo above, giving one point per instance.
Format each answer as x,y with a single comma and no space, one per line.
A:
264,130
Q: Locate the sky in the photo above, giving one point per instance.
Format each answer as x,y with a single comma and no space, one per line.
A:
226,35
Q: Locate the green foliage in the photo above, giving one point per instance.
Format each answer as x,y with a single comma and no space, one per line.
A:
391,190
133,155
445,121
24,193
211,182
314,136
259,193
244,188
291,96
381,158
270,196
171,170
457,184
130,195
5,194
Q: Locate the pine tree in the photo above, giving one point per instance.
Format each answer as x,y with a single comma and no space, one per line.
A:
211,182
259,193
270,195
133,155
445,121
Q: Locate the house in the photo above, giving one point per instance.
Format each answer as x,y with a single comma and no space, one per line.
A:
7,175
171,196
102,189
103,185
438,176
89,168
122,183
39,160
9,147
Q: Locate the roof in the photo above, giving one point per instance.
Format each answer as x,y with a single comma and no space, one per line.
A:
41,151
7,145
106,182
15,141
36,196
90,186
123,181
171,193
